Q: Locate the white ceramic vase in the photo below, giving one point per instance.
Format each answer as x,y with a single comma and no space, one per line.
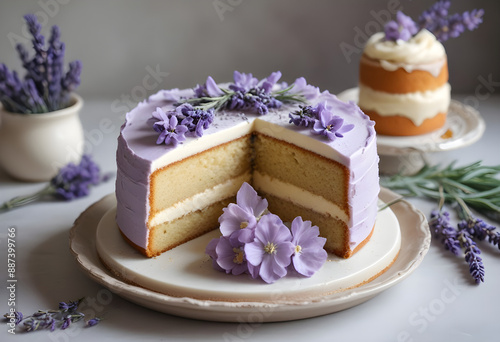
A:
33,147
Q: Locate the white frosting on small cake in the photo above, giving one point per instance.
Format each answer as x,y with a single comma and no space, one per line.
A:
421,52
416,106
138,156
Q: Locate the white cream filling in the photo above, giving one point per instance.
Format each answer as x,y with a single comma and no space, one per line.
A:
297,196
200,201
433,68
262,182
416,106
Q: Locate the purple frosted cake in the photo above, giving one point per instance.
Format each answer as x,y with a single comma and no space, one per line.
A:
183,155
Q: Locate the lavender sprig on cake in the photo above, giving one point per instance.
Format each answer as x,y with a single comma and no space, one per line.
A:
435,19
45,87
246,93
257,242
250,94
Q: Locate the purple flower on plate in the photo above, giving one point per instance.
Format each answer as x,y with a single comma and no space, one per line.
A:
239,220
309,255
211,252
300,87
231,256
402,28
271,249
331,126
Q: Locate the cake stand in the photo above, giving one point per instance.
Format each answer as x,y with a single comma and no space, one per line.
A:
406,155
252,300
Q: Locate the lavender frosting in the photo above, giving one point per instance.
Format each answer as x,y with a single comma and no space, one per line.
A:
138,156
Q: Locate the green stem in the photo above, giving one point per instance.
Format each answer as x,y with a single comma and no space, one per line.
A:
23,200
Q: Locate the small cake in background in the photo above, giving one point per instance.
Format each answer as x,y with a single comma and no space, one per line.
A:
403,74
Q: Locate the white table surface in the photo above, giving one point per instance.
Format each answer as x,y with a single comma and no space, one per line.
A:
437,302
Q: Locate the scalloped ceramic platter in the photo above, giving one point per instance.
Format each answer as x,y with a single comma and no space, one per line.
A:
464,125
186,271
196,290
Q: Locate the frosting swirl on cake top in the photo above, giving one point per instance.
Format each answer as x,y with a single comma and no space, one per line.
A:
421,49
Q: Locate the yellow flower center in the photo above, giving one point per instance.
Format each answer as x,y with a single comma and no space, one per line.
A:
243,224
270,248
298,249
238,256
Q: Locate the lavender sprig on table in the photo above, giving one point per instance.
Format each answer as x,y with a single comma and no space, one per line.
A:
45,87
62,318
469,187
72,181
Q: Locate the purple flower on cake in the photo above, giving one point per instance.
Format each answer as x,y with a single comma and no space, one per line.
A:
209,89
243,82
402,28
171,133
239,220
306,116
300,87
270,81
271,249
309,255
196,120
331,126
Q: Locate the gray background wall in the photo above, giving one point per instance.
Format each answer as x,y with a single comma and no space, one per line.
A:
121,42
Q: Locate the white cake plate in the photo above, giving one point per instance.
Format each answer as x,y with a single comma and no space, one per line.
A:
186,271
282,306
464,126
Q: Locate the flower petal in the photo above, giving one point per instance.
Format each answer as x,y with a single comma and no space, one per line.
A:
254,253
